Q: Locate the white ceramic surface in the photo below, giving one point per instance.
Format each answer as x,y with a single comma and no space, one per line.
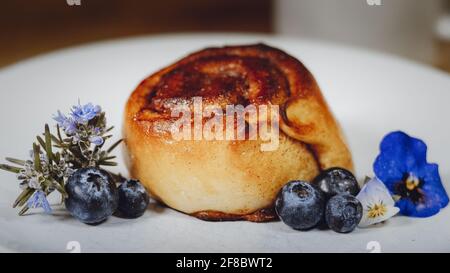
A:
370,93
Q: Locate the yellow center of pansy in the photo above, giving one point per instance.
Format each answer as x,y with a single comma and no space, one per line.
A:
412,182
376,210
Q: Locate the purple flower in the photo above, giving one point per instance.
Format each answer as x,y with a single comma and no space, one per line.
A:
97,140
39,200
97,131
67,124
402,166
60,118
82,114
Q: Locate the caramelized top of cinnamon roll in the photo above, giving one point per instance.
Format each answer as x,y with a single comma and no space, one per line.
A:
241,75
255,74
221,80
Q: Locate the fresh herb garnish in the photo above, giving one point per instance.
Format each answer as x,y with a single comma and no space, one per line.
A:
78,143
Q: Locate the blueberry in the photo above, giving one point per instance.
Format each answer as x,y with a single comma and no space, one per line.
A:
337,181
300,205
92,195
343,213
133,199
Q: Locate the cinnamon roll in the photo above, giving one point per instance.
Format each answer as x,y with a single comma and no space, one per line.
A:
222,179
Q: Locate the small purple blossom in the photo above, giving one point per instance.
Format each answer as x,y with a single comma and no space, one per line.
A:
60,118
66,123
96,140
39,200
82,114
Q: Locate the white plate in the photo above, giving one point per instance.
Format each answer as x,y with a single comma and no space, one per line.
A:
371,94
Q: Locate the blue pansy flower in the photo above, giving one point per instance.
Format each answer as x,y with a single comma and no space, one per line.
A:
39,200
402,166
82,114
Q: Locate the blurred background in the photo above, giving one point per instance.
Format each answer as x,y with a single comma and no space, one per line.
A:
414,29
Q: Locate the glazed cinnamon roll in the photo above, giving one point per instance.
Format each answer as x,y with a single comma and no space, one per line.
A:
215,178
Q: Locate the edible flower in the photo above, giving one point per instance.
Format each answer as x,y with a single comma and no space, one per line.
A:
377,202
78,143
39,200
82,114
402,166
85,125
67,124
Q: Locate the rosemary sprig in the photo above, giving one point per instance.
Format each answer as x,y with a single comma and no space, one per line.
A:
39,176
23,197
77,143
110,149
9,168
16,161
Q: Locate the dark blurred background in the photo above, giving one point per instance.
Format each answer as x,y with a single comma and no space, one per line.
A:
415,29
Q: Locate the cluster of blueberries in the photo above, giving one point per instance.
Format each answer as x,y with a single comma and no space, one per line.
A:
329,200
93,196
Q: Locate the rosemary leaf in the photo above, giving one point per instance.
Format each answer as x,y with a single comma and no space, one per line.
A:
41,141
108,158
57,157
48,144
58,185
58,130
63,193
114,146
23,197
60,189
109,129
9,168
56,140
16,161
37,159
107,163
23,210
61,146
24,200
